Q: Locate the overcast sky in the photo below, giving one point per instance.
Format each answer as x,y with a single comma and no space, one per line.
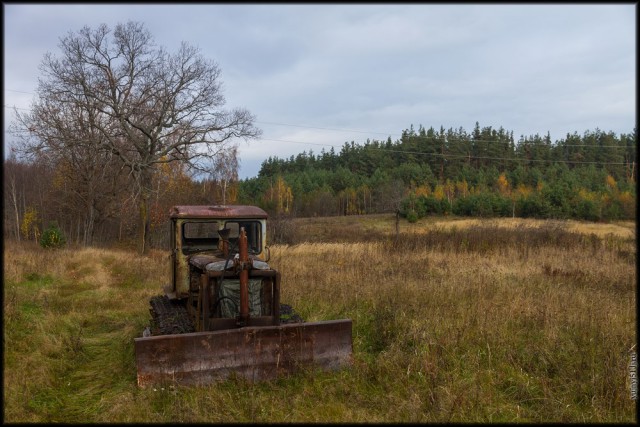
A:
319,75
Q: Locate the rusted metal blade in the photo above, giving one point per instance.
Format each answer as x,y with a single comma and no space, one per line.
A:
255,353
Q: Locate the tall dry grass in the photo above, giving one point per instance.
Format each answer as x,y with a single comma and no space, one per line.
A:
490,323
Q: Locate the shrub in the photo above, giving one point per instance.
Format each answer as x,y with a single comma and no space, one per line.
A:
412,216
587,209
613,210
429,205
52,237
533,207
282,230
482,205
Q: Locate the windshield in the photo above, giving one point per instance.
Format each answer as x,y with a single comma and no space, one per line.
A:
203,235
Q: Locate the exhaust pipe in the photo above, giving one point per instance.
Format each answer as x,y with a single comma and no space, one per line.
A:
244,278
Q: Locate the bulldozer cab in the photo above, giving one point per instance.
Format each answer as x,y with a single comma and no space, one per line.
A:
206,230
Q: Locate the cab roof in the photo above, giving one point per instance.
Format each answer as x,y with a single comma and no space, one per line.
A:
217,211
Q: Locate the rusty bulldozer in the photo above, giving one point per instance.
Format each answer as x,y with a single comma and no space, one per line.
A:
221,315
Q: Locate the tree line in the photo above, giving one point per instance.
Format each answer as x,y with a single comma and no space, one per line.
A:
93,200
40,195
482,173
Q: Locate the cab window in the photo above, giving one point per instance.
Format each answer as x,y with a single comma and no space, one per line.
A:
199,232
254,234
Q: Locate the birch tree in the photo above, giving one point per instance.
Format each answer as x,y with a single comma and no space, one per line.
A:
225,170
12,175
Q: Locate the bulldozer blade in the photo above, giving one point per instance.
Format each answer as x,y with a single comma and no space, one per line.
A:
255,353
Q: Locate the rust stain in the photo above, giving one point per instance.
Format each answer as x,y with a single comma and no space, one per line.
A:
217,211
206,357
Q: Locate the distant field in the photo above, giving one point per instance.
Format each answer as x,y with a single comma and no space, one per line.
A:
344,227
456,320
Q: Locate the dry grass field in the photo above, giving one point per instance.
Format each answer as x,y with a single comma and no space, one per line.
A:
454,320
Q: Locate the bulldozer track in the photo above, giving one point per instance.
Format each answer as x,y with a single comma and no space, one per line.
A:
289,315
169,317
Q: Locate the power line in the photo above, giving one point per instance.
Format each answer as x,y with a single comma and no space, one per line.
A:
450,156
435,137
272,123
453,156
288,124
432,138
284,124
300,142
17,108
324,128
448,142
19,91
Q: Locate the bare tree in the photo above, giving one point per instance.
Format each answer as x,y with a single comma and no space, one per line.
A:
12,171
389,199
225,170
93,186
151,107
86,177
26,188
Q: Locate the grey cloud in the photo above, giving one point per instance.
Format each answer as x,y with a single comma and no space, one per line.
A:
530,68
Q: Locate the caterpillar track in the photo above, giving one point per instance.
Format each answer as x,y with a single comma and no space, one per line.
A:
169,317
289,315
